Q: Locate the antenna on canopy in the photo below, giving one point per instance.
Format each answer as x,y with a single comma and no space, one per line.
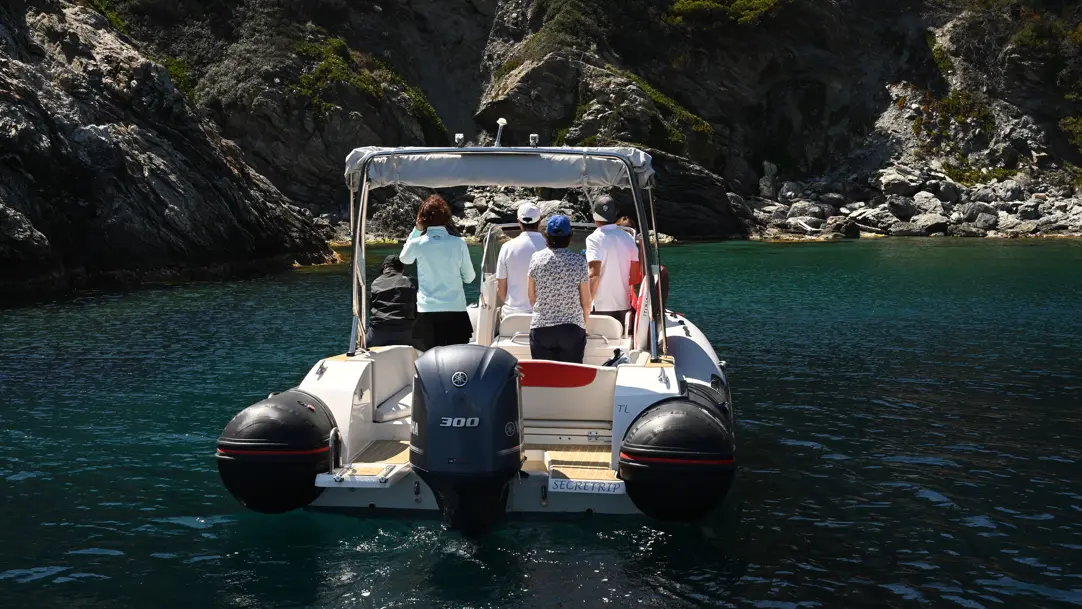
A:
533,140
460,139
501,122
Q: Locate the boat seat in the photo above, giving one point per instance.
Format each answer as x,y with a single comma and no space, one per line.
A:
558,391
603,336
398,406
392,382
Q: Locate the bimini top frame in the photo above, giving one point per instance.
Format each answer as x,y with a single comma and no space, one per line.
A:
370,168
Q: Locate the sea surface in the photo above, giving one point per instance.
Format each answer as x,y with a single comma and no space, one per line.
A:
908,434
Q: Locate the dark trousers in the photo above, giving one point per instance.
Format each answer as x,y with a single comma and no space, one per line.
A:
562,343
441,329
617,315
384,335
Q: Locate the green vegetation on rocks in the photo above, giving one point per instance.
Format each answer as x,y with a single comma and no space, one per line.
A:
336,64
178,71
710,11
940,55
111,10
666,103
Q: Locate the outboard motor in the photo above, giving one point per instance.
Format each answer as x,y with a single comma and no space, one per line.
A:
677,459
270,453
466,440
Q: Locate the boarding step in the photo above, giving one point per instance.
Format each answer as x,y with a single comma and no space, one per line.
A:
580,469
381,465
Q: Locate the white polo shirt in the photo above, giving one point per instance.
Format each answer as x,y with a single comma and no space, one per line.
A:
616,250
514,266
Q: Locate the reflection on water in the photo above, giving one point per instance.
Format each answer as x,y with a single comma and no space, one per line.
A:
908,435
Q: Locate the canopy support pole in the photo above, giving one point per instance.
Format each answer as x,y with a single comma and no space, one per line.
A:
357,238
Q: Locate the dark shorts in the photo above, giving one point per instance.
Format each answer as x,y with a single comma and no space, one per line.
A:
441,329
562,343
384,335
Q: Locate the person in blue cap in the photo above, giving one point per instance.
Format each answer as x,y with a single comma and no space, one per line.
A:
559,291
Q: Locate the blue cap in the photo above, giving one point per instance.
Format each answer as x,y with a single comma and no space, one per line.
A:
558,226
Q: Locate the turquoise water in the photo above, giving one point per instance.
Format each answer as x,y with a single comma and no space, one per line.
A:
908,434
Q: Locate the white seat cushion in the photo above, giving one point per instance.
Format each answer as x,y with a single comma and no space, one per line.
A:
398,406
603,325
518,323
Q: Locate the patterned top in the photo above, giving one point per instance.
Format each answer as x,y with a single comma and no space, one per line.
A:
558,274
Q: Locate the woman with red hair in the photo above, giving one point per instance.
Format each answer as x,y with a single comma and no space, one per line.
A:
443,266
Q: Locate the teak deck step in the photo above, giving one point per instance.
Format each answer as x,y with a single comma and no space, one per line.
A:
572,462
579,462
379,455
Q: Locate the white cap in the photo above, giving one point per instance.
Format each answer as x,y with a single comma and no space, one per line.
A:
528,213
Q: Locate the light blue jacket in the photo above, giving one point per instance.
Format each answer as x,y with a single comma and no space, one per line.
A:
443,265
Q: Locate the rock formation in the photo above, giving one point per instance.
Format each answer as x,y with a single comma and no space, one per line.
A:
142,135
109,176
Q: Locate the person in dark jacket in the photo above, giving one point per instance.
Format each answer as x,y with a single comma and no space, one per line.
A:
394,307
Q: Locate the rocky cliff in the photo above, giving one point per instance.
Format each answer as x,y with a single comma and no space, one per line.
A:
147,134
108,175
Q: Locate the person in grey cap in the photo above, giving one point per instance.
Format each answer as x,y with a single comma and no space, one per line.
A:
610,253
394,307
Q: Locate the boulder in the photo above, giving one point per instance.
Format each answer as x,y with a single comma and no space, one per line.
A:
895,182
931,223
966,230
906,229
739,205
789,191
947,191
843,226
808,208
804,224
1007,221
970,211
878,218
832,198
903,208
986,222
986,194
1029,210
928,203
1009,190
1027,227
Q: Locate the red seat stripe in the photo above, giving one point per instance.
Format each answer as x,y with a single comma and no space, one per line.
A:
675,460
541,373
273,453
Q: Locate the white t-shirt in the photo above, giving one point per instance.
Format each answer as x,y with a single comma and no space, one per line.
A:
616,250
514,266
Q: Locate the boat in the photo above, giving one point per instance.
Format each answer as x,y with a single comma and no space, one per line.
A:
478,433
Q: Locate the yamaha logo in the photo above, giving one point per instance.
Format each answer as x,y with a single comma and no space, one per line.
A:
459,379
509,429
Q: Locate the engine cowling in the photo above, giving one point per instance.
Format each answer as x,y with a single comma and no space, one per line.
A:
677,459
270,453
466,441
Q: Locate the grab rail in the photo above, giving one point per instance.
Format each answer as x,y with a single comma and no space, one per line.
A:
527,335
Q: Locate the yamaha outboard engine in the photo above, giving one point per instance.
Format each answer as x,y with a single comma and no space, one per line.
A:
270,453
466,441
677,459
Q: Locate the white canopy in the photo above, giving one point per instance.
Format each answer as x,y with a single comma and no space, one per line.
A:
526,167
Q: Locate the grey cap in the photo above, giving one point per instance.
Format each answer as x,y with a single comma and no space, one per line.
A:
605,209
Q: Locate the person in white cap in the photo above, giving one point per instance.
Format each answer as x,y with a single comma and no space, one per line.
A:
610,252
514,261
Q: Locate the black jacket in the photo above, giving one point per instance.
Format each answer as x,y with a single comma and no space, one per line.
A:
393,298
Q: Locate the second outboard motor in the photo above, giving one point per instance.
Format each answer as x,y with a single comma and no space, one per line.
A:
466,442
